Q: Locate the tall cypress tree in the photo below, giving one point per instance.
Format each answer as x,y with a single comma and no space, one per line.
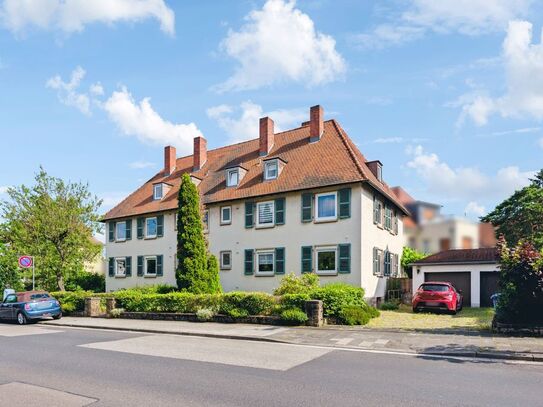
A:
192,273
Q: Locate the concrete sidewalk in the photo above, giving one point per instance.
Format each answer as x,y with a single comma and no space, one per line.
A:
455,343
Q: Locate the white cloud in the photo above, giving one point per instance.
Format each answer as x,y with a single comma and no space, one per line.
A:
72,15
138,165
111,199
245,126
279,43
523,130
388,140
468,17
67,91
464,182
474,209
96,89
143,122
524,80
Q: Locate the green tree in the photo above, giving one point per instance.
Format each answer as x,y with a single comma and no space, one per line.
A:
193,273
10,276
520,217
410,256
53,221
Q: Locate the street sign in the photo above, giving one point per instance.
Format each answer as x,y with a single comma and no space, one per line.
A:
25,262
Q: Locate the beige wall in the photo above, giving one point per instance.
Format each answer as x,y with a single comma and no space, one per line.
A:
445,228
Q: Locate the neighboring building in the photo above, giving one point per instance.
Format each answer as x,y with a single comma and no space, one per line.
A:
98,265
473,271
428,231
303,200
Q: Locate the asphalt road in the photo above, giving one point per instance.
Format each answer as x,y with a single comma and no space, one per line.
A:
77,367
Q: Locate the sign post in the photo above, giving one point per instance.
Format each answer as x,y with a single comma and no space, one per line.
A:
27,262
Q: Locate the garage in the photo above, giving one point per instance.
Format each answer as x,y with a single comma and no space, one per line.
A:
489,286
460,280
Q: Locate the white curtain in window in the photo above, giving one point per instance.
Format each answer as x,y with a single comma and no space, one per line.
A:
265,212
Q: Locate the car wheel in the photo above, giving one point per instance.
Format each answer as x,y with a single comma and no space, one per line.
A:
57,316
21,319
415,310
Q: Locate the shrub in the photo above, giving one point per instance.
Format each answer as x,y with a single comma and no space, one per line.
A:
389,306
71,301
204,314
87,282
253,303
294,316
289,301
336,296
292,284
356,315
116,312
151,289
237,313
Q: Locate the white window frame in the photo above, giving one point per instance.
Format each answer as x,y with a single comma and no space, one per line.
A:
232,171
325,218
117,225
223,221
265,225
156,196
117,274
147,235
145,273
204,222
267,166
321,249
257,262
222,264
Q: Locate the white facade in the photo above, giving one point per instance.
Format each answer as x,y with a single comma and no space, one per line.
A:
474,269
429,237
358,230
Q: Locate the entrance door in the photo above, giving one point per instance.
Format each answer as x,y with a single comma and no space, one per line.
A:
460,280
489,286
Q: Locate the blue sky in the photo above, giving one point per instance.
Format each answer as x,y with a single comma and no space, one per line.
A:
448,95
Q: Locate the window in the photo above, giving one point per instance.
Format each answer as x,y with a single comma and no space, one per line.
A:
226,215
158,192
226,260
120,267
205,220
150,266
10,299
426,246
232,177
326,206
265,260
326,260
150,228
271,170
265,214
120,232
444,244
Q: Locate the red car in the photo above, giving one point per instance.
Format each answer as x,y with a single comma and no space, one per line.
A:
437,295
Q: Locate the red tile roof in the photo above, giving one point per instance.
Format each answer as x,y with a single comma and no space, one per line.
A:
462,256
333,160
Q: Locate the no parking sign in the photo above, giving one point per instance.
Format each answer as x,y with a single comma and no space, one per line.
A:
25,262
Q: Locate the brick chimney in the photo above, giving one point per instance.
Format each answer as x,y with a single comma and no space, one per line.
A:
316,123
266,135
200,153
169,160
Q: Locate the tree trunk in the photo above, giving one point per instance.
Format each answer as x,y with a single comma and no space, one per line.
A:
60,282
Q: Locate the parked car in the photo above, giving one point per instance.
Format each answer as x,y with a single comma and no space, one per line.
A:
29,306
437,295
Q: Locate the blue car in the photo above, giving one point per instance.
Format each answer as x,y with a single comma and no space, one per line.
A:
29,306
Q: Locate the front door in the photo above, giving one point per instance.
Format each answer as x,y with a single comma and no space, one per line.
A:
7,308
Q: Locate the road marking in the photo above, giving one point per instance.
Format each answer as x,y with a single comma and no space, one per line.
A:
261,355
342,341
22,330
17,394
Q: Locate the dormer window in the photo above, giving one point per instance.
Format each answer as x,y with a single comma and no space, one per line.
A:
232,177
158,192
271,169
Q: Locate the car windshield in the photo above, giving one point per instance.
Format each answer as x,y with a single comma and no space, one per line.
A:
39,296
435,287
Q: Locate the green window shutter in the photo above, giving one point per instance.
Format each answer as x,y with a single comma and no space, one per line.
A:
344,258
387,264
111,226
160,225
129,229
249,214
307,207
280,260
375,261
128,266
140,266
139,226
307,259
395,223
249,261
344,203
159,265
111,267
280,211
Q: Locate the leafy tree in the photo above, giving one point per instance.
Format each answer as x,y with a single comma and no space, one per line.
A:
410,256
521,284
53,221
10,277
292,284
193,273
520,217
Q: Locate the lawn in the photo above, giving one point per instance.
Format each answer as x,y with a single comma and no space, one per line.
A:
468,318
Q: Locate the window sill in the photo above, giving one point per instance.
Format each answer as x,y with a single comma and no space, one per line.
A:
150,237
327,273
149,276
226,268
265,226
120,276
326,220
225,223
120,240
264,274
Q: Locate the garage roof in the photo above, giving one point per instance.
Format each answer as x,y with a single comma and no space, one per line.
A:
461,256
